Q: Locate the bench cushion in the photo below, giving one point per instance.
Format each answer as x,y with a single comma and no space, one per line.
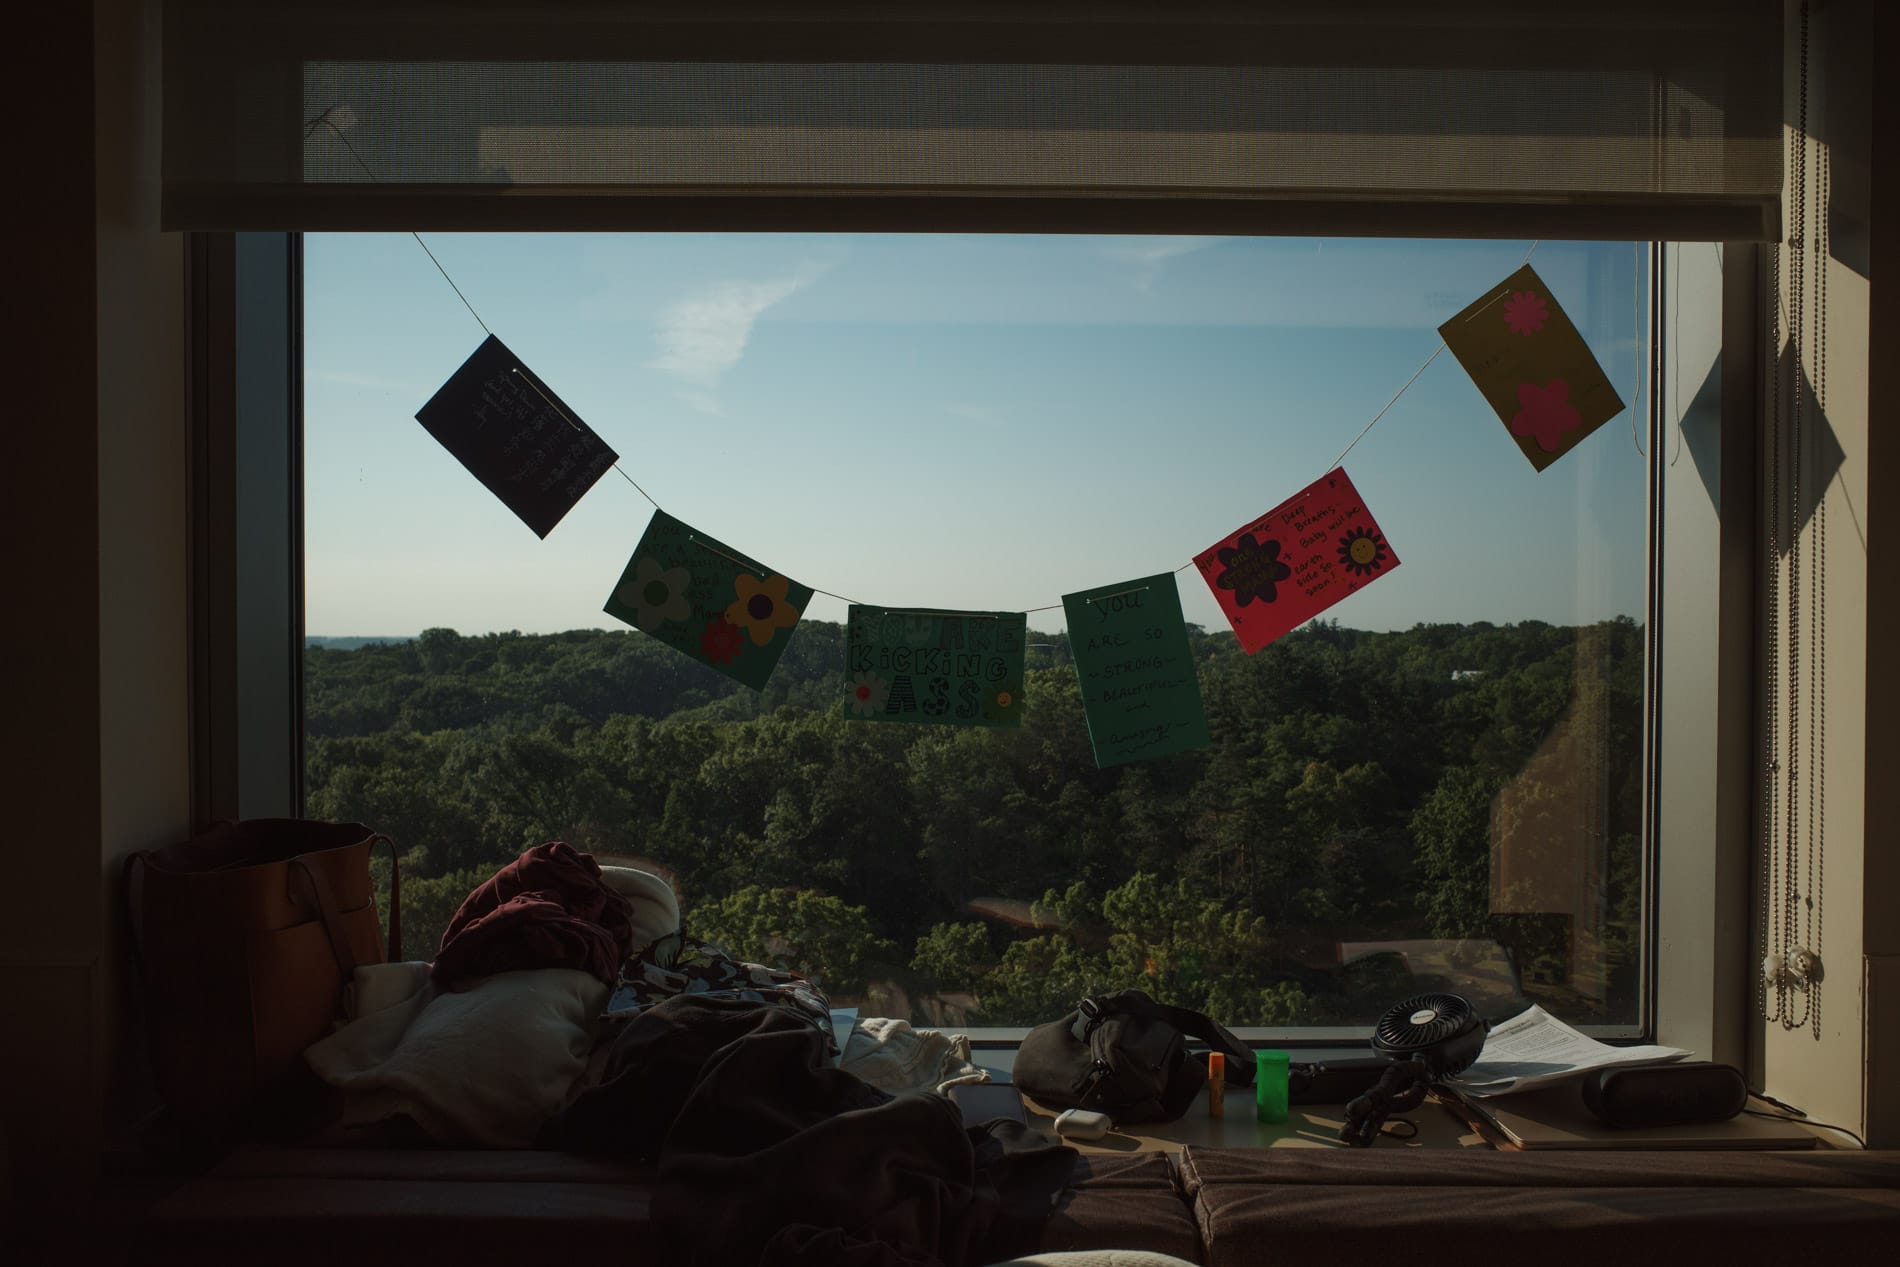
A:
1262,1206
366,1207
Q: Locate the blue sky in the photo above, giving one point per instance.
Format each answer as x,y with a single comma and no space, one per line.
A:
953,421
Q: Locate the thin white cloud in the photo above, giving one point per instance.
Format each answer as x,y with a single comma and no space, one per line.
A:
1150,257
705,334
704,402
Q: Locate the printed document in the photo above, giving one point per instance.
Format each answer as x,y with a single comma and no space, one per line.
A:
1534,1049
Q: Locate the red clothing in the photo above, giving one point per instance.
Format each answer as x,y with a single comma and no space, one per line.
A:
549,908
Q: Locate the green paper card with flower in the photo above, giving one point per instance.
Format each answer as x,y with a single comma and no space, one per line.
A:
942,668
701,597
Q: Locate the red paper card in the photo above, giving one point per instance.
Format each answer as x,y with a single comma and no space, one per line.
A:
1295,561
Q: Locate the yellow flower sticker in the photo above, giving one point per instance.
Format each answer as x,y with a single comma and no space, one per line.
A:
761,609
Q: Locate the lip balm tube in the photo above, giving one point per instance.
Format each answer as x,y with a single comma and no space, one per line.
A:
1269,1086
1216,1084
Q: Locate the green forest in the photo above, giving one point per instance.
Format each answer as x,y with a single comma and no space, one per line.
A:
1450,806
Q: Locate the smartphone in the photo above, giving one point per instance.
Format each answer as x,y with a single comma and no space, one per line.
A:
982,1102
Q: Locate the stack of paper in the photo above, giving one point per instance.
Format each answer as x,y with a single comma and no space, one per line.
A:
1534,1049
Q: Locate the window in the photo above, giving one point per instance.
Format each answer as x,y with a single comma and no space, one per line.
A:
1438,784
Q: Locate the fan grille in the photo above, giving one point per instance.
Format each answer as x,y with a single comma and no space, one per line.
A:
1422,1021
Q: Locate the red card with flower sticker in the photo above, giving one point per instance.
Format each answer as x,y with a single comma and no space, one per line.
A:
1532,366
702,597
1295,561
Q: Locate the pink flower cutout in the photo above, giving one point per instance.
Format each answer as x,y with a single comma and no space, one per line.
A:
719,641
1525,312
1545,413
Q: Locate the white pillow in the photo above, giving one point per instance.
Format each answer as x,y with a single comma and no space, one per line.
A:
656,912
486,1065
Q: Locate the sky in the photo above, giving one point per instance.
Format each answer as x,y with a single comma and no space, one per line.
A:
981,422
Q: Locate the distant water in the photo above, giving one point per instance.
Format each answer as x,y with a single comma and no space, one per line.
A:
351,644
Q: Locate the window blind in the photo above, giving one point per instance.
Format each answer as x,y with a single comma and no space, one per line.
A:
1658,120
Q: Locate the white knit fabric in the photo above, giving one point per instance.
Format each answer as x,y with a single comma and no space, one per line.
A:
892,1056
1097,1258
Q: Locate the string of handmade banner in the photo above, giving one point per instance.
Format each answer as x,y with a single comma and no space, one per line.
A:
1129,640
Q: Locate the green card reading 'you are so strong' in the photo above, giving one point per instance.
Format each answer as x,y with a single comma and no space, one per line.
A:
1139,689
701,597
947,668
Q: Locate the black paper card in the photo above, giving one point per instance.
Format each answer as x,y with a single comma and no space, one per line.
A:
516,436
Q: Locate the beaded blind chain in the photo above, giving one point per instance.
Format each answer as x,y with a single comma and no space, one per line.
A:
1794,789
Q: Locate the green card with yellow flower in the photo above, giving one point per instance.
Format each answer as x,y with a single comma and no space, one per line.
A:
945,668
700,596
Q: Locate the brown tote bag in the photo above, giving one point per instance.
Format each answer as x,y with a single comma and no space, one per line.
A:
245,937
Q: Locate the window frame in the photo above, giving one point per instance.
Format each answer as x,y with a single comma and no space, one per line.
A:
246,415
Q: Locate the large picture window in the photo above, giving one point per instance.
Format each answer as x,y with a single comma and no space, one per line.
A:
1439,783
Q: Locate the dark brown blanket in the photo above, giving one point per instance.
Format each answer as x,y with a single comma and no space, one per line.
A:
549,908
766,1154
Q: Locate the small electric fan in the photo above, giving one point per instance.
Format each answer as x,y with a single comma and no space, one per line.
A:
1428,1037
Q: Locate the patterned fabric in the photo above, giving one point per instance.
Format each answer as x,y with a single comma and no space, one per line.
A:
687,965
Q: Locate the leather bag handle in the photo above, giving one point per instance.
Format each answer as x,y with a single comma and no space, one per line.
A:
326,910
395,897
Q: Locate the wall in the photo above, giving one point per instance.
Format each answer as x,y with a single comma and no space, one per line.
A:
1840,756
95,534
144,759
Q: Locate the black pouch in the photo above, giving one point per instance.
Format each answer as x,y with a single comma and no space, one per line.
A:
1125,1055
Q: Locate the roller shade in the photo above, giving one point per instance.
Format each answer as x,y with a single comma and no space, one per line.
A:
1473,117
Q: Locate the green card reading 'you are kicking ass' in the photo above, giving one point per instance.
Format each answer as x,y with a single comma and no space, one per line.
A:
1139,689
945,668
705,599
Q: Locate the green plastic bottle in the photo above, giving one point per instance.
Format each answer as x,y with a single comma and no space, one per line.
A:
1269,1086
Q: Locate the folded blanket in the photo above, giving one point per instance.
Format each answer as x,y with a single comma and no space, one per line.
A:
486,1065
549,908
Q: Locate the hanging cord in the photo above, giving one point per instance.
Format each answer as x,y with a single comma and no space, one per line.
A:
1408,382
1797,442
1789,916
1641,345
1771,659
324,120
1400,1089
1817,651
1789,1113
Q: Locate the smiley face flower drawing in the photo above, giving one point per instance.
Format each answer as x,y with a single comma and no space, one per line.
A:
1003,704
761,609
1253,570
866,693
657,594
720,641
1526,312
1362,551
1545,414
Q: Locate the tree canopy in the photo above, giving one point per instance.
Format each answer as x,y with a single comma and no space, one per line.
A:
1467,786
